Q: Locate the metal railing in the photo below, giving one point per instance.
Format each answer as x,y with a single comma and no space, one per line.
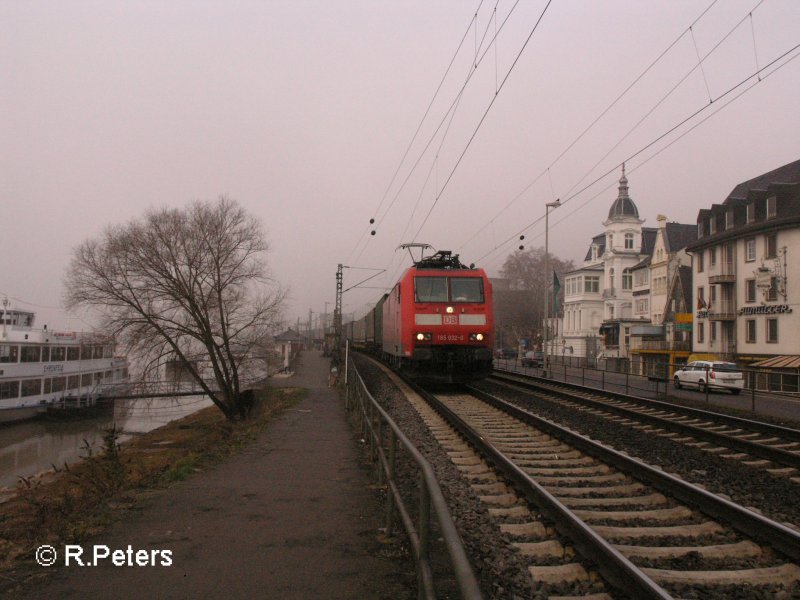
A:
385,439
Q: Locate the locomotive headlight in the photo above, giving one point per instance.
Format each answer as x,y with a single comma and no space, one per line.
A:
420,336
479,337
476,337
450,310
424,337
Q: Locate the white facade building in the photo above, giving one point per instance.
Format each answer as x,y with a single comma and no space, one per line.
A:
598,301
746,292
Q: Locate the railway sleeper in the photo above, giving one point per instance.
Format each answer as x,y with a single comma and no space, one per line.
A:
741,550
785,574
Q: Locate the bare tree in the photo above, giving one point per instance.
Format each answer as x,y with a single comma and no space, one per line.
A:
519,310
189,285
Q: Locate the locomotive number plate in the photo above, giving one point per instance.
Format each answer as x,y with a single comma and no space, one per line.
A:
453,337
450,319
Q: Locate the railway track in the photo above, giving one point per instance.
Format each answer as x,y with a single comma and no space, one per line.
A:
592,522
773,448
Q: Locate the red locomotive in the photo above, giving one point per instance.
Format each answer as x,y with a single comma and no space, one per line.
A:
437,323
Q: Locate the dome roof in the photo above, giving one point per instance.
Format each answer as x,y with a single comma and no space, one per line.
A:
623,206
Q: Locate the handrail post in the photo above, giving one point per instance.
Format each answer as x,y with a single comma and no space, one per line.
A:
389,495
424,528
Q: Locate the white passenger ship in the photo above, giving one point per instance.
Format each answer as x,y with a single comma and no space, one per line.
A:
41,368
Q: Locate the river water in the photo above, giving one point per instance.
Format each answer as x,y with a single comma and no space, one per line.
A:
30,447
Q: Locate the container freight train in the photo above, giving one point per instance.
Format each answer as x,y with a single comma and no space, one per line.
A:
436,324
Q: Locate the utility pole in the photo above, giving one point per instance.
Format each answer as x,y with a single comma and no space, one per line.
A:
337,317
547,279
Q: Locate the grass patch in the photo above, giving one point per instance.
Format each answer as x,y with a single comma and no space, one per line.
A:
84,499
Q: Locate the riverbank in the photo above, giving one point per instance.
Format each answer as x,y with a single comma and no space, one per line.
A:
74,503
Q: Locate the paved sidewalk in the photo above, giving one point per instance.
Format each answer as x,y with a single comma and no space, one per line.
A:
290,517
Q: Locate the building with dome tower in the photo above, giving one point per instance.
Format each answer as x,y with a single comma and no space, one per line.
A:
599,310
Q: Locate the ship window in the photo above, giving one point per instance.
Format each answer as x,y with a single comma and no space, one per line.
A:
98,377
9,389
45,353
29,354
58,354
108,352
58,384
97,352
430,289
86,379
73,382
466,289
73,353
31,387
86,352
8,353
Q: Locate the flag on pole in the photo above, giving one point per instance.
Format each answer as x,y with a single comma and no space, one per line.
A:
556,289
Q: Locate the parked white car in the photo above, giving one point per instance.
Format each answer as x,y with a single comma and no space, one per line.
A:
711,374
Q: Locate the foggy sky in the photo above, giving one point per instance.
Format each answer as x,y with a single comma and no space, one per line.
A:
302,111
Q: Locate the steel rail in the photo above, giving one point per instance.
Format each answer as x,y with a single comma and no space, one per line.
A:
373,416
618,570
777,455
756,426
757,526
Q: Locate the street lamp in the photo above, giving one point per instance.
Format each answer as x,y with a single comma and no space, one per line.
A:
548,206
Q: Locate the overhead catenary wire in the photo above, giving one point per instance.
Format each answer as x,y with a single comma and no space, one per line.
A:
472,70
422,120
483,118
732,89
594,122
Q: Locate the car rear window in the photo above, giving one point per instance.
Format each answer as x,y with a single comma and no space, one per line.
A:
726,367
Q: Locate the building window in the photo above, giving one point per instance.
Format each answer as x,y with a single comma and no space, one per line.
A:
701,333
771,245
750,249
772,207
772,331
700,261
594,252
772,292
701,297
713,332
628,241
712,224
699,230
729,219
611,278
611,312
592,284
750,333
712,258
751,212
750,290
627,281
712,295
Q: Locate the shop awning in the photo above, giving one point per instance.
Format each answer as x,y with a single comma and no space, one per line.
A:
784,361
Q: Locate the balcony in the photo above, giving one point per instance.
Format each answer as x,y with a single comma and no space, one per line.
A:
610,293
726,273
724,310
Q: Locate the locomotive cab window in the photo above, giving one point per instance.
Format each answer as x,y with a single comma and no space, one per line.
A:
466,289
448,289
430,289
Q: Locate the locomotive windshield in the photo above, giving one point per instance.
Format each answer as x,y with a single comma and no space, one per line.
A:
448,289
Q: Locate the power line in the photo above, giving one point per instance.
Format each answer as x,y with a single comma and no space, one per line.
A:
422,120
594,122
483,118
472,70
757,74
